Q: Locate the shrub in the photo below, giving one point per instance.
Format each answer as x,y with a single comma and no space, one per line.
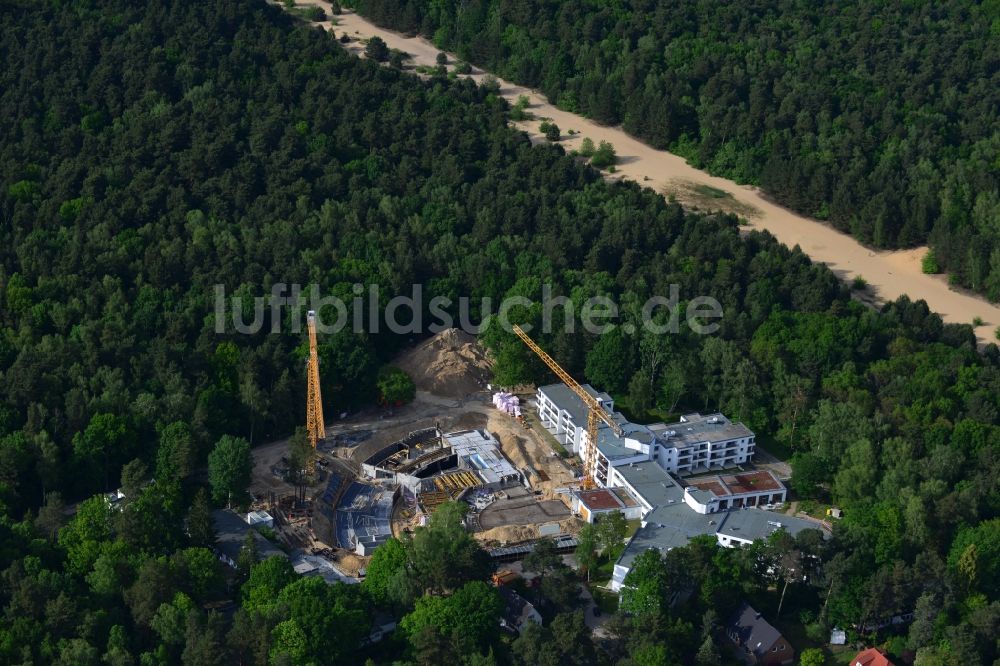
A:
859,283
929,264
550,130
394,386
397,58
587,147
463,68
519,111
377,49
604,156
442,58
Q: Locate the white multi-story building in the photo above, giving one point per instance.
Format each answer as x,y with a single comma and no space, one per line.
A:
693,445
564,414
699,443
645,464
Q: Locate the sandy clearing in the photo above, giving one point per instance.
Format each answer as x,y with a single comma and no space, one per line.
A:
890,274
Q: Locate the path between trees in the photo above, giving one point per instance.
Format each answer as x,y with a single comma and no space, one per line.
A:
889,274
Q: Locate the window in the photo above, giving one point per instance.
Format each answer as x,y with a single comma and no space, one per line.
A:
781,646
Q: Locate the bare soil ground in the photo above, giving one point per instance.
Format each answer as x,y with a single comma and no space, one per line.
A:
450,364
889,274
522,509
508,534
529,452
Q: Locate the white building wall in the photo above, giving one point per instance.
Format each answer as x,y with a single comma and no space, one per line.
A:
618,577
666,458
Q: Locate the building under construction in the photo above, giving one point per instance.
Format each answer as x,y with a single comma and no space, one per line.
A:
421,471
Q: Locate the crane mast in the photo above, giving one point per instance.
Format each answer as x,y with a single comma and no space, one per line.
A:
315,428
595,412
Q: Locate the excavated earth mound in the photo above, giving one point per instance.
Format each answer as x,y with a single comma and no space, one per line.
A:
452,364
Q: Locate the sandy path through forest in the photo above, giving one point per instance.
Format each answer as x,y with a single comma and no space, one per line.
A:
889,274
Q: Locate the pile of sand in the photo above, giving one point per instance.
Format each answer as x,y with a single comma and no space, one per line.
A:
511,534
452,364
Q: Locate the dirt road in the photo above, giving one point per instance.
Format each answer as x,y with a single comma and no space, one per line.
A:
889,274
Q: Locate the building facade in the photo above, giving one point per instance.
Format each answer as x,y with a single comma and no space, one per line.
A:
645,465
693,445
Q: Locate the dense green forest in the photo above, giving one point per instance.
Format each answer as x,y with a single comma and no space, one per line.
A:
881,117
150,152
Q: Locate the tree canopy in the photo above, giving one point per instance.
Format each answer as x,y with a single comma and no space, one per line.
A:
151,151
880,118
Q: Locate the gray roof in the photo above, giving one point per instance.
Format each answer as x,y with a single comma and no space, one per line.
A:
756,524
652,482
695,429
231,530
672,523
669,527
753,630
565,398
612,446
702,496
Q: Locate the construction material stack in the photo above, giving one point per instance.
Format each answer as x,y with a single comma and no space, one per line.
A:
507,403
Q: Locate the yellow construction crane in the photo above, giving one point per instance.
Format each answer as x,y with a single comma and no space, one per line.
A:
315,427
595,412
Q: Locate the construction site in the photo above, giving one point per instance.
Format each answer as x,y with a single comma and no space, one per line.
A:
381,473
526,465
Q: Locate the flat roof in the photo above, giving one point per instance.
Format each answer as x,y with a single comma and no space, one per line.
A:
694,429
667,527
711,484
652,483
701,496
673,526
751,482
612,446
564,398
624,497
752,524
600,499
